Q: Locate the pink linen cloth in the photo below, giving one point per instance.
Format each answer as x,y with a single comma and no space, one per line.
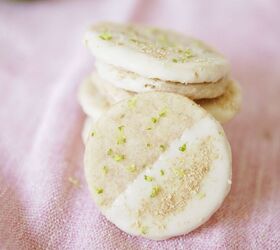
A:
42,62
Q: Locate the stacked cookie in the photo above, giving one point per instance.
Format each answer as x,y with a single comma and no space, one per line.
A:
132,59
157,160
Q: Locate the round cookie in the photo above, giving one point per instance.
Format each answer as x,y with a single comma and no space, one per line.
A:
224,107
92,103
106,89
158,165
130,81
86,129
156,53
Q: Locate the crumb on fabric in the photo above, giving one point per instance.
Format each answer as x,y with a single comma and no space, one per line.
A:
75,182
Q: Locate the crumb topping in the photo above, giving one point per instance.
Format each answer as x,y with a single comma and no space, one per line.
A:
181,183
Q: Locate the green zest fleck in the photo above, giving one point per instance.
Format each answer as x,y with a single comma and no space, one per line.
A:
183,147
120,128
133,40
92,133
155,191
132,102
99,190
163,112
118,157
180,172
162,148
110,152
121,140
161,172
188,53
148,145
131,168
105,169
144,230
174,60
148,178
154,120
201,195
105,36
149,128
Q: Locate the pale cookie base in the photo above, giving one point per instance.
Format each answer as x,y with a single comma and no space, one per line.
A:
225,107
86,129
158,165
108,90
130,81
155,53
92,103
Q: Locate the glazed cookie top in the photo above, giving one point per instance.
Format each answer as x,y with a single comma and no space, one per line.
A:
156,53
157,165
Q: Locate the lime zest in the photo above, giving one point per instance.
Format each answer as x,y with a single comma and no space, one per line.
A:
148,178
144,230
105,169
105,36
183,147
155,191
163,112
131,168
132,102
121,140
110,152
119,157
154,119
99,190
162,147
179,171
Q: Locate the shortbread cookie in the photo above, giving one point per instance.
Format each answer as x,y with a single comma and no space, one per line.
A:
225,107
86,129
130,81
92,103
156,53
106,89
158,165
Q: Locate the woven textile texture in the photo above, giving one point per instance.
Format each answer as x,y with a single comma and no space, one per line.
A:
42,62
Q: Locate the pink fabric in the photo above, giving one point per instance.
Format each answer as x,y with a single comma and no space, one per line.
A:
42,61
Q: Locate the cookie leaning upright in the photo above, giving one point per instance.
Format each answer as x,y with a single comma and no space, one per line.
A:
158,165
156,53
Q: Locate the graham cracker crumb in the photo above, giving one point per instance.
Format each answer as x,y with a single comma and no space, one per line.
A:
176,191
